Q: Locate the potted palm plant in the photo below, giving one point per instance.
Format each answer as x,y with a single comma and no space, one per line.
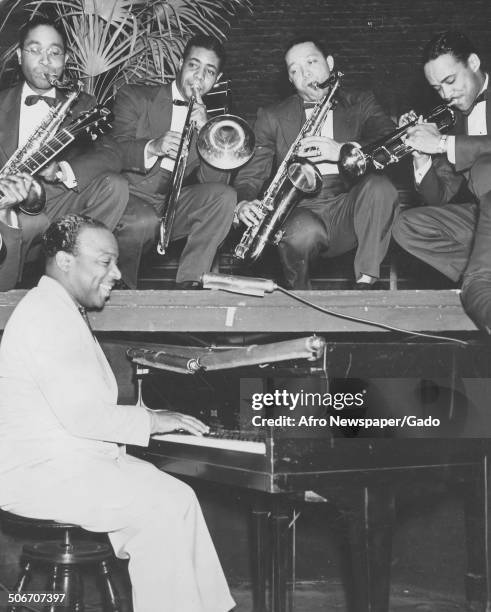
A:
112,42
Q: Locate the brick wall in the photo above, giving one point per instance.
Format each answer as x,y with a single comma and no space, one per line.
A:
376,43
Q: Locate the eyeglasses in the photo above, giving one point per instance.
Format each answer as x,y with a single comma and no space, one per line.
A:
52,52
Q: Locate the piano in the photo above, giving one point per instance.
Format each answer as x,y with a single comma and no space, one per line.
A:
283,467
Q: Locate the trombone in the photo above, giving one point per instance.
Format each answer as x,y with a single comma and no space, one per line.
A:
225,142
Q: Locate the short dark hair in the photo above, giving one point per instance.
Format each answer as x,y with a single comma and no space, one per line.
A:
63,233
207,42
453,42
41,20
305,38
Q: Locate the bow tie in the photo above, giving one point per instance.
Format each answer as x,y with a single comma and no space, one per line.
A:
180,103
31,100
482,97
309,104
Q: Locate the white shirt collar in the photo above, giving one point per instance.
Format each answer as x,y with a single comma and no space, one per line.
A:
176,94
28,91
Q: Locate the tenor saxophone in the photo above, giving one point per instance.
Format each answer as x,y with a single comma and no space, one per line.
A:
294,178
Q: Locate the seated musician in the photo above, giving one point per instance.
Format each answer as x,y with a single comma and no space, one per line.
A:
338,218
148,124
452,233
61,431
84,178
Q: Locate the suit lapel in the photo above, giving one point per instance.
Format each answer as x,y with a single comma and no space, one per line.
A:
9,119
292,119
160,112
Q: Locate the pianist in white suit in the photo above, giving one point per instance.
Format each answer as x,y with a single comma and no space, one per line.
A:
61,432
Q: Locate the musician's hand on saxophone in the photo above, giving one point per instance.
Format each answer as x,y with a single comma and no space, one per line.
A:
14,189
165,146
249,212
319,149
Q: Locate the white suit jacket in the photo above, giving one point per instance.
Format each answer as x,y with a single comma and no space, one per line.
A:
58,396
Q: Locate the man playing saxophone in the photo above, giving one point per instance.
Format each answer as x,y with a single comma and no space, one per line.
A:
85,178
148,124
339,218
452,231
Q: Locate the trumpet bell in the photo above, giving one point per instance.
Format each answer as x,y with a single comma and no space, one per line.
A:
226,142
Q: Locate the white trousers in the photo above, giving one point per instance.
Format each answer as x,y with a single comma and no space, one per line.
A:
152,518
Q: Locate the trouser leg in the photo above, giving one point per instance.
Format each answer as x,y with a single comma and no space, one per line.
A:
105,199
17,243
332,226
151,518
205,213
136,233
441,236
365,219
305,237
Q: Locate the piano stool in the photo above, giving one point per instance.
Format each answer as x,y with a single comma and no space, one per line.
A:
63,558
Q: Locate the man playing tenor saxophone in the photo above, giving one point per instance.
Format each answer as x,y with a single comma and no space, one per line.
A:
339,218
87,181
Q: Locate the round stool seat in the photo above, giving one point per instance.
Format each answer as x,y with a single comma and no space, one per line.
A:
63,554
35,523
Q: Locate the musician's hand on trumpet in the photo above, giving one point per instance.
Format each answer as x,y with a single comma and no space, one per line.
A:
319,149
420,158
14,189
249,212
165,146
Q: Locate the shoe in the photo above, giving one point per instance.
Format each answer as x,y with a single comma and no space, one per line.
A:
189,285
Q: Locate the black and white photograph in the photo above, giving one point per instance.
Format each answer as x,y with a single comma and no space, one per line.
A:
245,306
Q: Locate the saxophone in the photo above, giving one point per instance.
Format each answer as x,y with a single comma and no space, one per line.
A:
29,159
294,178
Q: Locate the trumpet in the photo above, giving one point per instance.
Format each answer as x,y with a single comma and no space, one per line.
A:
225,142
354,160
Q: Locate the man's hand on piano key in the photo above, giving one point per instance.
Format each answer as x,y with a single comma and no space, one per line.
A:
163,421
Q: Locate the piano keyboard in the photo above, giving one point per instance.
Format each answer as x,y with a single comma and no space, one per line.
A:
223,439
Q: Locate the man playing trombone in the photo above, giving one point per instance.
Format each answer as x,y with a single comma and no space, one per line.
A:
148,126
452,232
339,218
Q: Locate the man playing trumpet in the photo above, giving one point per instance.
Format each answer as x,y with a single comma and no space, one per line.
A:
148,124
340,217
452,232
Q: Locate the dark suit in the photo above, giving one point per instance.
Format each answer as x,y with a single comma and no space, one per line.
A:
339,218
205,210
101,192
455,238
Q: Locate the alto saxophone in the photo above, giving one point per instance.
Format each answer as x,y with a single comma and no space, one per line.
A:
294,178
27,157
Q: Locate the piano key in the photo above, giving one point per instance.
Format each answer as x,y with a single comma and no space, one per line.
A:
243,446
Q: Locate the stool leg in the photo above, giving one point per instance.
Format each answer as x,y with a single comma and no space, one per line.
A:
66,579
22,582
110,594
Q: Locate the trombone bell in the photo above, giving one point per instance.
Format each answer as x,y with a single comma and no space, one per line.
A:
226,142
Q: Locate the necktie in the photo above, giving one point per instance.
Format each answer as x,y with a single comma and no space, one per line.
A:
180,103
83,312
309,104
31,100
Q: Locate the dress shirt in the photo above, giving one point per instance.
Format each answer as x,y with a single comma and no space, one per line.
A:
177,125
476,126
